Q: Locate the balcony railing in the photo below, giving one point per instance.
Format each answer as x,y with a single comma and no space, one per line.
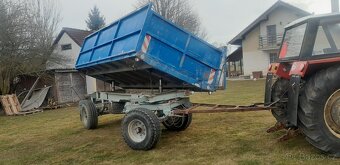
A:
270,42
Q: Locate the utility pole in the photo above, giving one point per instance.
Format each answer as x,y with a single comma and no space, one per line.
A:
335,6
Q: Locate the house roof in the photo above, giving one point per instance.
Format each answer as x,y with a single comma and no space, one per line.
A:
77,35
238,39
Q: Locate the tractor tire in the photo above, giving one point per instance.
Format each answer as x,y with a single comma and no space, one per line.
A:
280,91
319,109
88,114
141,129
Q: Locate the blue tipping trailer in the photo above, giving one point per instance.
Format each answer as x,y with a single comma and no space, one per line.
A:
138,51
142,48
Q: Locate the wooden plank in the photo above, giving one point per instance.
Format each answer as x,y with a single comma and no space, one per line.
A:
6,105
13,104
12,107
17,103
29,112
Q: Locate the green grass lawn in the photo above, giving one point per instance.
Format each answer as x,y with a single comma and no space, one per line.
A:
57,137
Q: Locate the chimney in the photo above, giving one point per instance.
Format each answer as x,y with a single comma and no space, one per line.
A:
335,6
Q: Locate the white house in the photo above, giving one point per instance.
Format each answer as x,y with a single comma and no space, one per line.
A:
70,85
260,41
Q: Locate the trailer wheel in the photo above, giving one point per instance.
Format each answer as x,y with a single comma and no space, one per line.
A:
179,123
141,129
117,108
88,114
319,113
279,91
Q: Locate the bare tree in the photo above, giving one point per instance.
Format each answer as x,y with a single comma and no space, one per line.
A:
178,11
27,30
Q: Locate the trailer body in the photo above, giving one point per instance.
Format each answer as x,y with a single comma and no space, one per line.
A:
143,50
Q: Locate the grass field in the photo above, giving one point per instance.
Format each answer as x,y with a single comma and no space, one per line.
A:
57,137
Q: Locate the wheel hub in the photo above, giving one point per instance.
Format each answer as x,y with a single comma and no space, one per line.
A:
336,113
137,130
332,113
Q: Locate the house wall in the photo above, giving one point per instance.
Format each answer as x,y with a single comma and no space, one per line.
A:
255,59
68,60
91,85
67,57
280,17
95,85
70,85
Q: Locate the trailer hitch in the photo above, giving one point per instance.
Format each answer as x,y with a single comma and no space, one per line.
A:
216,108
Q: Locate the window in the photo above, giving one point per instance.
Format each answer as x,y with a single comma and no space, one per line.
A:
273,57
66,47
327,39
271,35
292,42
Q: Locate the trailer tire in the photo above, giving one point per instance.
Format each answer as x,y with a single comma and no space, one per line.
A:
279,90
179,123
176,123
117,108
313,107
141,129
88,114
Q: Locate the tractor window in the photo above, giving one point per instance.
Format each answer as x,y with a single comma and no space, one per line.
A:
335,32
327,40
292,42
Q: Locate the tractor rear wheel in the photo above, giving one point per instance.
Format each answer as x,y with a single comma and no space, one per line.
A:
319,113
280,92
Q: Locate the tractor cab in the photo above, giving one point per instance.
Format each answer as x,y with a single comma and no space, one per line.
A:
308,43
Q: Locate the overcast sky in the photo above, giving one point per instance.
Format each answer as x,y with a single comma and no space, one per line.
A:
222,19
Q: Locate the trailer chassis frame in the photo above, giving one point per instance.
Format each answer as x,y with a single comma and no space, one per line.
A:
163,103
166,103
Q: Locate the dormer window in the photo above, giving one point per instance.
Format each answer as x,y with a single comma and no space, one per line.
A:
66,47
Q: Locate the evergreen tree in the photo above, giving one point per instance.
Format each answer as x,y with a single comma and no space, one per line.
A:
95,21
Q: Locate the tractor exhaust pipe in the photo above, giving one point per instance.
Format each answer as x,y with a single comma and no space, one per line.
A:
335,6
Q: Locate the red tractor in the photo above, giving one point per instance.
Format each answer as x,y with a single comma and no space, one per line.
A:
307,87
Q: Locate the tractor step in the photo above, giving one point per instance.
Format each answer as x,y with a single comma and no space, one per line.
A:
291,133
277,127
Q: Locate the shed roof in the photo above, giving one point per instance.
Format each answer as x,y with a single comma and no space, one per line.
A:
238,39
236,55
77,35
